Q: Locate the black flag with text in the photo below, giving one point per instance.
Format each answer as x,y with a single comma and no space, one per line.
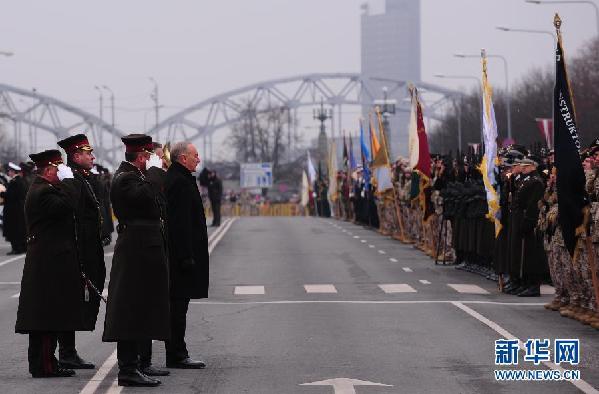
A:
571,194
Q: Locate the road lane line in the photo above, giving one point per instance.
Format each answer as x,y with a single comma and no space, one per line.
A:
397,288
15,258
580,384
96,380
249,290
320,289
407,269
467,289
424,282
391,259
220,235
371,246
382,252
363,241
93,384
363,302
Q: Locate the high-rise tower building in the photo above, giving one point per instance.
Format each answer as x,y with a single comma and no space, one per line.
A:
390,44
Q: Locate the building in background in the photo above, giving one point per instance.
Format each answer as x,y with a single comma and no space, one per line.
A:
390,48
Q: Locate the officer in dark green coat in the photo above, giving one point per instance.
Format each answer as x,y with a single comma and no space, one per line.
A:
88,215
138,292
52,295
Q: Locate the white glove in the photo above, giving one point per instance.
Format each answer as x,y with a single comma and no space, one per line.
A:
154,161
64,172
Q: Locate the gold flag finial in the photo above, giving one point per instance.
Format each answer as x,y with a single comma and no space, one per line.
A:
557,21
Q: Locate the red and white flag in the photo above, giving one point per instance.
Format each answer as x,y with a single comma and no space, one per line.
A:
546,129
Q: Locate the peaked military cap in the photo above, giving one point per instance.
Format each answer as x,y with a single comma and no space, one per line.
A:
47,158
138,143
74,143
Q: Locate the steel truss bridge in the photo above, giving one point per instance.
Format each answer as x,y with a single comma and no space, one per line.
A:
30,111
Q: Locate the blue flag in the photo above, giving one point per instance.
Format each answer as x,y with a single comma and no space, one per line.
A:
365,156
352,158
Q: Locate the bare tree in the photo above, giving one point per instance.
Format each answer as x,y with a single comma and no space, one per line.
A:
262,134
532,98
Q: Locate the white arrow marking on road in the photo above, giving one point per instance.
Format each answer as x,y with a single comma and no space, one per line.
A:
344,385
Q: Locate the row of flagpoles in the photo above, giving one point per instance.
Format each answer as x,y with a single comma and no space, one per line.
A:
573,201
376,164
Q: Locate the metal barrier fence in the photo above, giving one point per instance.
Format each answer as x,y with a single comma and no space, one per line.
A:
260,209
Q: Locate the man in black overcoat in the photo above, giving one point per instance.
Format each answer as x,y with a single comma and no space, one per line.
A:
188,249
215,194
138,292
13,214
52,295
88,213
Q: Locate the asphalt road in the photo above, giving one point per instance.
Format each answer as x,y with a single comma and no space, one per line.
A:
303,300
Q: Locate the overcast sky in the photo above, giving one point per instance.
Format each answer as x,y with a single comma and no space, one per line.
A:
198,48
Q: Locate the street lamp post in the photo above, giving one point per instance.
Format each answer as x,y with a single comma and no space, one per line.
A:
479,101
112,117
154,97
507,87
534,31
101,112
538,2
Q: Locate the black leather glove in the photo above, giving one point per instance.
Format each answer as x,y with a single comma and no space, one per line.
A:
188,264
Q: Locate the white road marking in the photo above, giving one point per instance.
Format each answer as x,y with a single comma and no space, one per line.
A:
356,236
344,385
397,288
15,258
424,282
580,384
371,246
324,289
547,290
407,269
114,387
363,240
93,384
10,283
249,290
109,254
220,235
15,295
382,252
391,259
348,233
362,302
468,289
105,293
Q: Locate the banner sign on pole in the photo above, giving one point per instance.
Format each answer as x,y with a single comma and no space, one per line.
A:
255,175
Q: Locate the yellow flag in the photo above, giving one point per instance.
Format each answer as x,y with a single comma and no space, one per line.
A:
373,138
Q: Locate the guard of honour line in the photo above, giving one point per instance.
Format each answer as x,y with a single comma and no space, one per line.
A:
160,258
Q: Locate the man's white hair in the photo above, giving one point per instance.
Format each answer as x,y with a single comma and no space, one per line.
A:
178,149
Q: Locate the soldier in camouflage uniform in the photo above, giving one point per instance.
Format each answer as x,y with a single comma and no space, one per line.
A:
555,249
